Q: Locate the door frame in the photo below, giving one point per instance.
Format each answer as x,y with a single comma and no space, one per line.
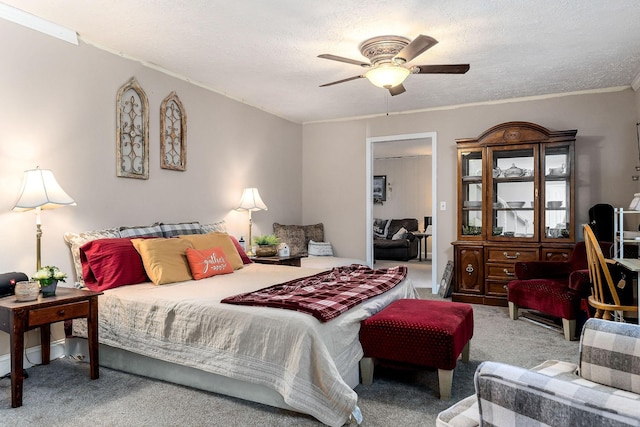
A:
434,196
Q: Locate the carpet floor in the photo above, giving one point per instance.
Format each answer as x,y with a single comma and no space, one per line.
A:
61,393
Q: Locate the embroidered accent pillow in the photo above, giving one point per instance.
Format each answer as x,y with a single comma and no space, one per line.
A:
208,262
320,248
215,240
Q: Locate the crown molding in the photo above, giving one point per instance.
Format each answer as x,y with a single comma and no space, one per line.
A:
36,23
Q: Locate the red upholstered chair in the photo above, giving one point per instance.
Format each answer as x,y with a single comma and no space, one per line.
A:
555,288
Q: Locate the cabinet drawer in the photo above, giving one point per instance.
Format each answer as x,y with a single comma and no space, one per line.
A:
501,271
496,287
511,255
43,316
555,254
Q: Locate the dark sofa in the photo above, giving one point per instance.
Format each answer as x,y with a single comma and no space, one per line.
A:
403,247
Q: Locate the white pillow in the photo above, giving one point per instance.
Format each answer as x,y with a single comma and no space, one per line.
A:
320,248
401,234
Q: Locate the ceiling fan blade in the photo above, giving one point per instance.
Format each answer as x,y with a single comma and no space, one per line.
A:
441,69
343,59
418,46
341,81
397,90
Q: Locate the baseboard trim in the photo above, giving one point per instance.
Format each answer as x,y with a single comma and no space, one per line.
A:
32,356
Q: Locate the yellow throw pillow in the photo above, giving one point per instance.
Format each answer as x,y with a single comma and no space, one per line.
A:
164,260
214,240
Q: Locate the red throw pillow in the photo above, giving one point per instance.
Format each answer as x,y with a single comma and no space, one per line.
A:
241,252
109,263
208,262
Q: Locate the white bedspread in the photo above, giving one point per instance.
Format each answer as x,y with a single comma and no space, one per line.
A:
291,352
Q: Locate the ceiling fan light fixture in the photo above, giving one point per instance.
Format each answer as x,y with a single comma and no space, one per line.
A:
387,76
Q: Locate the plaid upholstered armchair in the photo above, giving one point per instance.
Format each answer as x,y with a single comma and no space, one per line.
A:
601,391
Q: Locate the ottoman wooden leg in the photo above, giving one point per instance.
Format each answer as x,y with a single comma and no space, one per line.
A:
513,311
569,328
445,379
465,351
366,371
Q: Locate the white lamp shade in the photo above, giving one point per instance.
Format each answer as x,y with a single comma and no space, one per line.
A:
251,200
41,190
387,76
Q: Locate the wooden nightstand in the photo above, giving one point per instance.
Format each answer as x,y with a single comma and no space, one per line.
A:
18,317
293,261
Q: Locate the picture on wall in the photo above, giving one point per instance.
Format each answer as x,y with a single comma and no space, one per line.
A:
173,134
380,188
132,131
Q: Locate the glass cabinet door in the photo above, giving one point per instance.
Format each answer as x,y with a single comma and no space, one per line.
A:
556,203
470,165
512,192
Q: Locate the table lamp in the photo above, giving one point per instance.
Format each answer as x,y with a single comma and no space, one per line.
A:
251,201
40,190
427,224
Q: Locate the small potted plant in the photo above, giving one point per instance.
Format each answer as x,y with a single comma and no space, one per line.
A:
49,276
267,245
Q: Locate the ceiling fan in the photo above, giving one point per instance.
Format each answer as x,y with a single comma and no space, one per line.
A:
388,56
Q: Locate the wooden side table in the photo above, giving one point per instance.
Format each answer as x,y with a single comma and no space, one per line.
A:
420,236
18,317
293,260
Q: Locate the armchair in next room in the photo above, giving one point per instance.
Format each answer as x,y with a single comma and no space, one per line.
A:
394,239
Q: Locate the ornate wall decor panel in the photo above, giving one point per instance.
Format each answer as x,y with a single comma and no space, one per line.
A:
173,134
132,139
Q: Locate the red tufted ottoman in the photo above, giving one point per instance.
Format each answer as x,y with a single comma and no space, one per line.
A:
419,332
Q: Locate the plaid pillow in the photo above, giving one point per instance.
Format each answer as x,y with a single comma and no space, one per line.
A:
610,354
142,231
171,230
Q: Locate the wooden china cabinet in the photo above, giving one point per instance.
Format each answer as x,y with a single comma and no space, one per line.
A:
515,203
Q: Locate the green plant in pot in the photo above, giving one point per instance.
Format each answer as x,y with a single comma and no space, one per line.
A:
267,245
49,276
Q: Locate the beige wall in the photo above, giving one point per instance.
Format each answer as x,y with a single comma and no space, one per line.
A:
58,112
606,155
408,188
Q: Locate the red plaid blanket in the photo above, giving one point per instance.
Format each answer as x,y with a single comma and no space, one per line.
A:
328,294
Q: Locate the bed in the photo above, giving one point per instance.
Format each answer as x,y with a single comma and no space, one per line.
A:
182,333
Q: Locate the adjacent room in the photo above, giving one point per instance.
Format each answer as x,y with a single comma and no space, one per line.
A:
329,213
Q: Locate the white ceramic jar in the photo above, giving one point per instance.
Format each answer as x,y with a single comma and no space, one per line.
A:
27,290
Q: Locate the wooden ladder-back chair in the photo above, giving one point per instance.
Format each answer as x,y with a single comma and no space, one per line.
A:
604,295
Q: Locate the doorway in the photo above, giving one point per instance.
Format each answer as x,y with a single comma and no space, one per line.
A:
400,141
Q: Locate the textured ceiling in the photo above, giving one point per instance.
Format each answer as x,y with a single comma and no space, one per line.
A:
264,53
